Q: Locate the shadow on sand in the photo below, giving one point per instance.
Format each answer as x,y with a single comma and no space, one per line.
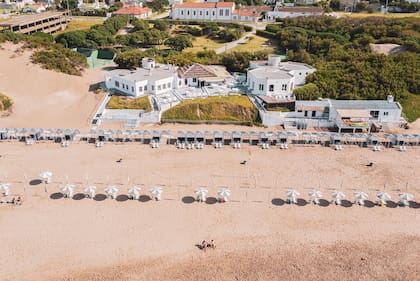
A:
188,199
57,195
99,197
414,205
369,204
211,200
144,198
323,203
78,196
346,203
301,202
277,202
35,182
122,198
391,204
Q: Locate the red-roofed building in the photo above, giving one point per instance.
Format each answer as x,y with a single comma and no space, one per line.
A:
134,11
210,11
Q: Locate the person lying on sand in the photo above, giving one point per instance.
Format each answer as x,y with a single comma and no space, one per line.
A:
18,201
211,244
203,245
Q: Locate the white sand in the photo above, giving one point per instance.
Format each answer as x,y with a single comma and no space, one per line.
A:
91,240
44,98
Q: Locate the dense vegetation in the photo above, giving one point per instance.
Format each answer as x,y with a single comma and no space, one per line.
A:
6,103
47,53
346,66
123,102
228,108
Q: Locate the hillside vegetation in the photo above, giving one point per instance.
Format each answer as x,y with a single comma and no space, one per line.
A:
123,102
227,108
6,103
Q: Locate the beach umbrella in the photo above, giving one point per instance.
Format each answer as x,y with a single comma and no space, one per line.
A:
156,192
201,194
46,175
405,198
111,191
360,197
134,192
67,190
315,195
223,194
292,196
90,191
382,198
337,197
5,188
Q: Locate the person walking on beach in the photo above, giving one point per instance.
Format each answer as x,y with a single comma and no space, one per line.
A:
203,245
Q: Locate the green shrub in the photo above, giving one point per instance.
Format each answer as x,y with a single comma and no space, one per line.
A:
6,103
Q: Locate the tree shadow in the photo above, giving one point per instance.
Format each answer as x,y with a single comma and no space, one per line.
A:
324,203
99,197
301,202
346,203
277,202
122,198
391,204
369,204
414,205
188,199
35,182
211,200
78,196
57,195
144,198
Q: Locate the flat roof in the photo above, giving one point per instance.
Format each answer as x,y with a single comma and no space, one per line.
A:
270,72
364,104
22,20
141,74
353,113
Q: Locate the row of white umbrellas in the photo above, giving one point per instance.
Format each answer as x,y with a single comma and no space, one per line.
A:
201,194
359,197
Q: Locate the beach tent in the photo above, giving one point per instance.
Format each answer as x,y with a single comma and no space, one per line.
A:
223,194
201,194
360,197
405,198
67,190
315,196
134,192
111,191
156,193
292,196
5,188
382,198
90,191
337,197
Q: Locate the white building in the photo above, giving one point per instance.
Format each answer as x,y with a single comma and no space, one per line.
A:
149,79
276,78
211,11
293,12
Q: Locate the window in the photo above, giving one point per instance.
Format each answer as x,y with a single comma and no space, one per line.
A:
299,110
271,88
214,13
207,13
284,87
227,12
164,86
132,89
140,89
179,83
194,80
306,113
169,85
374,113
153,87
145,88
220,12
193,13
186,81
159,87
201,13
123,86
386,113
313,113
300,73
261,87
188,12
117,84
182,12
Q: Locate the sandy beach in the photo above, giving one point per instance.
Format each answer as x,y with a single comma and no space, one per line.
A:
257,236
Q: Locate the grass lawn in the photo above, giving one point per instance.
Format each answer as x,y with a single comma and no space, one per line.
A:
389,15
225,108
202,42
255,43
279,108
411,107
80,25
123,102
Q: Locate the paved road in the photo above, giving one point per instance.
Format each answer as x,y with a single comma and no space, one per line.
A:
233,44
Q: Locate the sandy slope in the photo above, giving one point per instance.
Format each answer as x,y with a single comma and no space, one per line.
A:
257,239
44,98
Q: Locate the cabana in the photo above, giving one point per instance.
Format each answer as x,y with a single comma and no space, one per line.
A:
101,137
412,139
12,134
200,140
337,141
190,139
281,140
373,141
401,142
253,137
181,139
218,139
156,137
355,139
236,139
265,139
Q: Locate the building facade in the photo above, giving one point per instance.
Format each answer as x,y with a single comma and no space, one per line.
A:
293,12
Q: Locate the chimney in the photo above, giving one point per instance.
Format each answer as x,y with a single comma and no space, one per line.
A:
390,98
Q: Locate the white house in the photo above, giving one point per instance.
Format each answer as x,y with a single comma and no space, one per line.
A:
293,12
149,79
276,78
217,11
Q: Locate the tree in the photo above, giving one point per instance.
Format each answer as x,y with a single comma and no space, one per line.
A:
335,5
235,62
309,91
161,25
129,59
158,5
179,42
72,4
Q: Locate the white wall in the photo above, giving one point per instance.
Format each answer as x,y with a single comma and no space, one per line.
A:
255,82
201,14
300,75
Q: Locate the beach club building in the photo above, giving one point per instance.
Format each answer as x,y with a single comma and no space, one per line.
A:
293,12
274,78
211,11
